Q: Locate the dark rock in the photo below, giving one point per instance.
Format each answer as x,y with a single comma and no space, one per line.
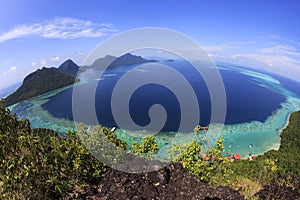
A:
171,182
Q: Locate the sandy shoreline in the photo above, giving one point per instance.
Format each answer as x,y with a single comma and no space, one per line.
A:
277,146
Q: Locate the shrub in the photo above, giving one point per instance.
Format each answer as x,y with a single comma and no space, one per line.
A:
146,149
36,163
214,171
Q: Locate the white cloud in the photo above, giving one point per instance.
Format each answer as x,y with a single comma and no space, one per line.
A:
43,62
281,49
228,46
235,56
11,69
59,28
79,53
279,64
274,60
284,40
5,62
215,48
54,59
272,53
33,64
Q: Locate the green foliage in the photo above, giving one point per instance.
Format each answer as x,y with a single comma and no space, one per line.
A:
263,170
147,148
102,143
214,171
37,164
197,129
288,181
268,169
274,163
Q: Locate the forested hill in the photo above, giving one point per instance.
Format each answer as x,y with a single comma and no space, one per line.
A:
37,164
68,67
39,82
124,60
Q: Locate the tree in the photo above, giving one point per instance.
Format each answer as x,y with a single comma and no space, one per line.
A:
214,170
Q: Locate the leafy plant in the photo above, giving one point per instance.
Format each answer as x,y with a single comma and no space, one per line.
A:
146,149
214,170
36,163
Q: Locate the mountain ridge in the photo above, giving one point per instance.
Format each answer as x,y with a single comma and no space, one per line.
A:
39,82
47,79
68,67
112,61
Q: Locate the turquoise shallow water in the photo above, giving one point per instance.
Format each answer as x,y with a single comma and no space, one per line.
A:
261,136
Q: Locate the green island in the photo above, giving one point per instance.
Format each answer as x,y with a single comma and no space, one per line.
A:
38,164
44,80
48,79
112,61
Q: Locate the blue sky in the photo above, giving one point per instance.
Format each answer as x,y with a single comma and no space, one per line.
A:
259,33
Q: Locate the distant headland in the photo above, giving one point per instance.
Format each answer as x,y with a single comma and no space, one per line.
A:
48,79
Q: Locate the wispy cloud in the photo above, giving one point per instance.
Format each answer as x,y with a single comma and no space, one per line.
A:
228,46
281,49
43,62
215,48
5,62
279,61
54,59
285,40
79,53
12,69
59,28
271,53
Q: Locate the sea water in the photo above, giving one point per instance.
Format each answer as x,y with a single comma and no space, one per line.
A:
258,107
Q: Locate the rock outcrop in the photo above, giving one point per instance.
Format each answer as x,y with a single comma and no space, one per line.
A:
171,182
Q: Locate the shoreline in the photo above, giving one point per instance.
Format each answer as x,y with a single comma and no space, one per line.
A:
264,136
276,147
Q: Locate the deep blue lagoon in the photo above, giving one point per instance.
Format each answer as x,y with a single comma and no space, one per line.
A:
246,100
258,107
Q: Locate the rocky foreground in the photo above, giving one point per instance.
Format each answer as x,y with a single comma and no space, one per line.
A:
171,182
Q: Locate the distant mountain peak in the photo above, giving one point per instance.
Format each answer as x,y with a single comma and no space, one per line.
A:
112,61
109,56
68,67
68,64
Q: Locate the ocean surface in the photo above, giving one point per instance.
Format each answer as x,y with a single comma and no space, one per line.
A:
246,100
258,106
10,89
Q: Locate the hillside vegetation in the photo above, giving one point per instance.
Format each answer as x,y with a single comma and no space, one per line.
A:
39,82
37,164
44,80
277,173
274,175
